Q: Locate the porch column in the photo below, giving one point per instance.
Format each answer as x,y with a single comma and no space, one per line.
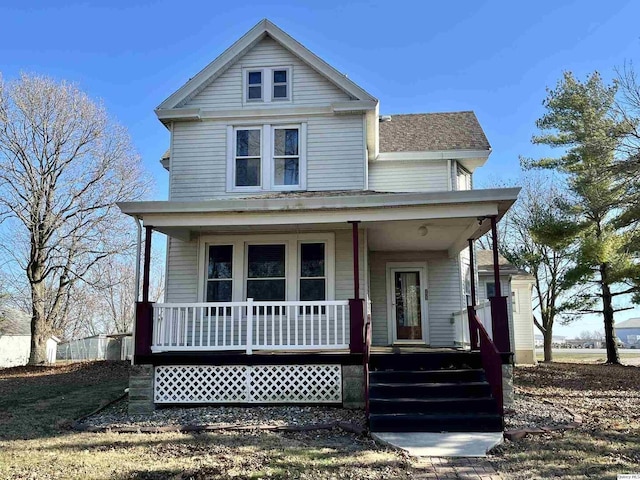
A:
356,304
144,309
471,308
499,311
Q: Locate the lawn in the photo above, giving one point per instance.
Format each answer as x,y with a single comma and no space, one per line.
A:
627,357
606,444
37,405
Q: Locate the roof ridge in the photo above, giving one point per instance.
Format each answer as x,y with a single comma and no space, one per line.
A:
429,113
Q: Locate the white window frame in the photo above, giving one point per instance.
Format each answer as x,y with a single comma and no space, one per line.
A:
231,166
292,260
267,163
273,84
267,85
299,267
245,85
206,273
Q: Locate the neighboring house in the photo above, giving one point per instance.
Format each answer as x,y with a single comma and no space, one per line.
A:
518,284
628,332
296,213
15,339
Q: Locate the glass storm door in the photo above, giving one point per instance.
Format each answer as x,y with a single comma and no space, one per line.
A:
407,304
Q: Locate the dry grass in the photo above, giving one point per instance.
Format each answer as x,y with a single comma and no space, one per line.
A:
607,443
35,403
627,357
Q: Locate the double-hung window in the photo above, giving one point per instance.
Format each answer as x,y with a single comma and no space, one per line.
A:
266,272
280,85
266,157
254,85
219,273
248,157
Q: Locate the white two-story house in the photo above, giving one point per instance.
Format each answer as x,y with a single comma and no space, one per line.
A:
316,247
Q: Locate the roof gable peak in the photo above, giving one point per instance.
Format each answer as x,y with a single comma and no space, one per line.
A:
261,30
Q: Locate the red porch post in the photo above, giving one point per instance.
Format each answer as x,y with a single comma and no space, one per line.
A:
471,308
356,304
144,309
499,311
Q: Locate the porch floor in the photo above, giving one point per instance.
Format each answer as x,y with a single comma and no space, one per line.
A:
414,349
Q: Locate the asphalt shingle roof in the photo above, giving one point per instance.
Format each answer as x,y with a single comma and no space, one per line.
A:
418,132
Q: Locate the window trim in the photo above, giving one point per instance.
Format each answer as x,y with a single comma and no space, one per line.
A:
267,162
239,261
267,85
246,73
273,85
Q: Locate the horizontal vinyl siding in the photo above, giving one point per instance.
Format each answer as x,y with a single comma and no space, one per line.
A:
335,157
335,153
444,293
309,87
344,264
523,318
413,176
182,271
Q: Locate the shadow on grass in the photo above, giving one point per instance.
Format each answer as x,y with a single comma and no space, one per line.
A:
36,402
579,377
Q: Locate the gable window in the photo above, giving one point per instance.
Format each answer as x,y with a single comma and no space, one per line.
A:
266,277
280,84
248,157
254,85
219,273
286,156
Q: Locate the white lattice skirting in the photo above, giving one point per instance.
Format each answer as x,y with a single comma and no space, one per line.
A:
248,384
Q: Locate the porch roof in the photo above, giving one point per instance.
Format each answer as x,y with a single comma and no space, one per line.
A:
326,210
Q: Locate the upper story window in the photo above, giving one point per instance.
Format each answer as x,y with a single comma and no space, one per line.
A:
254,85
266,157
268,84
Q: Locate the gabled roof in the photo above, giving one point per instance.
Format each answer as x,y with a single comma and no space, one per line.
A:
631,323
14,322
484,259
418,132
262,29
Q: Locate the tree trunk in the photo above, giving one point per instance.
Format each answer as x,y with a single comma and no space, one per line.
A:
609,331
548,352
39,328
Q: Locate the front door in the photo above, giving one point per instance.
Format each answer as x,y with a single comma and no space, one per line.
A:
407,295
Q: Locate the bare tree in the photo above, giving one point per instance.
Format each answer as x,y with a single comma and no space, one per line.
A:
63,166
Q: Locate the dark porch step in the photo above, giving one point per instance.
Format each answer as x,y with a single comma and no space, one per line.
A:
433,405
429,390
413,422
426,376
425,361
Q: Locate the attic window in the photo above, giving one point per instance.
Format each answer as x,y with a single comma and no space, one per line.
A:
254,85
281,84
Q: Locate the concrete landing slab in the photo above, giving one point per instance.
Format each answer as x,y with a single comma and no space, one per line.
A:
446,444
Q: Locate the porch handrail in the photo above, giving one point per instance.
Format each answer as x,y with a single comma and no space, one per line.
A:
250,325
491,361
366,354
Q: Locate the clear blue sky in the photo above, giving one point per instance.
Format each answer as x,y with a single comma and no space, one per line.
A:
495,58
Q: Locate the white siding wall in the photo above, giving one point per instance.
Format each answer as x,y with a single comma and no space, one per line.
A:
410,176
309,87
335,157
443,281
523,317
182,271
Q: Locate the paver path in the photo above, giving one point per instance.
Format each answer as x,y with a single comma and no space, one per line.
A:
438,468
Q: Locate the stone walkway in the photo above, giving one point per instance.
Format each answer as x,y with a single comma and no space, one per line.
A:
437,468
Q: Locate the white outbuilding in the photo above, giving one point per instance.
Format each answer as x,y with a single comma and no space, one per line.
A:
15,339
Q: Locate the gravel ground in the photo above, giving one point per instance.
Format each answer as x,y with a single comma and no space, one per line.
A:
527,412
532,412
116,416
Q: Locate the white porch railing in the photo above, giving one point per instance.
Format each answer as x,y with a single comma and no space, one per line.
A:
250,325
460,321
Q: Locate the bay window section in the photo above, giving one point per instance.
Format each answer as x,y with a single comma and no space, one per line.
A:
220,273
266,277
286,156
248,157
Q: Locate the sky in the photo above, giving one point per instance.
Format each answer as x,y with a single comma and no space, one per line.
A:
493,57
